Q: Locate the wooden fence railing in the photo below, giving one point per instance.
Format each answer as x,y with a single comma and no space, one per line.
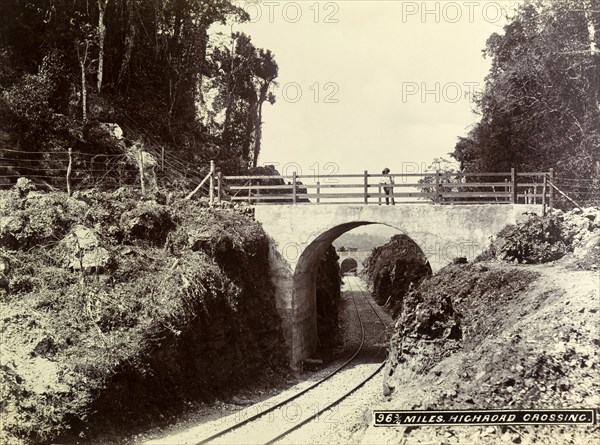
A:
410,188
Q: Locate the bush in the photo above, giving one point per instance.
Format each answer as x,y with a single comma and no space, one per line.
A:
394,268
38,219
539,240
543,239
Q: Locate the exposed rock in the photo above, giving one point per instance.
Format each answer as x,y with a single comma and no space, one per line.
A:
84,251
240,401
24,186
4,272
149,221
591,243
10,227
96,260
113,129
311,364
4,265
83,238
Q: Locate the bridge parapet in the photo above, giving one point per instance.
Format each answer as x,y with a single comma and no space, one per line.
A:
407,188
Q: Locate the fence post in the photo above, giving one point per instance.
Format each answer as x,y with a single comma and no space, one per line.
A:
544,187
294,188
219,186
513,180
211,192
366,191
69,171
249,191
379,194
318,191
551,194
436,198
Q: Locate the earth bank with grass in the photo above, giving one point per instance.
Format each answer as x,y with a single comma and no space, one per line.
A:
517,329
119,310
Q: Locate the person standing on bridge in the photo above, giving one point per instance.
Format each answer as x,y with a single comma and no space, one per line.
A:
388,186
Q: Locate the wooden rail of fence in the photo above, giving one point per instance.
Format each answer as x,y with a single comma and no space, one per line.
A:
480,188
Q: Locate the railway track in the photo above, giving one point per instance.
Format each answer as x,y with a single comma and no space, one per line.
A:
313,400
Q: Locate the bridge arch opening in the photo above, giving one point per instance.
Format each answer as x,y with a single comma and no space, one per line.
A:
304,298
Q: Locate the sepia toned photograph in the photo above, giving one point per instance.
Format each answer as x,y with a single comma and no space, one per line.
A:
299,222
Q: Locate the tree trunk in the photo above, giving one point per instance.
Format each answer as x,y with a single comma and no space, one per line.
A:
594,53
129,42
257,131
82,61
201,63
102,4
250,127
591,32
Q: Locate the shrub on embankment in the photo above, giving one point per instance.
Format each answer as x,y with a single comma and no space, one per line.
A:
542,239
393,268
462,302
494,335
117,310
448,312
497,336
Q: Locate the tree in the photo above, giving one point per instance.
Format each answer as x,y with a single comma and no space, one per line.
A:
266,71
246,74
449,173
539,107
142,64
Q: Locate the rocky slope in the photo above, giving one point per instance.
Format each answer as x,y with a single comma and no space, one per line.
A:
394,268
118,310
529,341
498,334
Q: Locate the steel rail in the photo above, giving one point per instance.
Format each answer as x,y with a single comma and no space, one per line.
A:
295,396
348,393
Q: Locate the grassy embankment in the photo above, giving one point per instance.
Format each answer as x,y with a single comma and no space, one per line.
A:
118,311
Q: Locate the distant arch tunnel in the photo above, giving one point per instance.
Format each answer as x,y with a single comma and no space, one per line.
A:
299,235
348,266
352,261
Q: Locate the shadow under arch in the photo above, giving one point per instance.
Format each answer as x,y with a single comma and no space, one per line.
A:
304,292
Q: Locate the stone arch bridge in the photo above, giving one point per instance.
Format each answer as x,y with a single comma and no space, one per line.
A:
300,234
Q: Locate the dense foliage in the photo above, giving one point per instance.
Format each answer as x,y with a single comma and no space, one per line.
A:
542,239
540,104
539,240
152,67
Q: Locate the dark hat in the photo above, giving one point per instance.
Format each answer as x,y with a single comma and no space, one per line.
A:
385,171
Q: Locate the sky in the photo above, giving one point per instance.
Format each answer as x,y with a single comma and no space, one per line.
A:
365,85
